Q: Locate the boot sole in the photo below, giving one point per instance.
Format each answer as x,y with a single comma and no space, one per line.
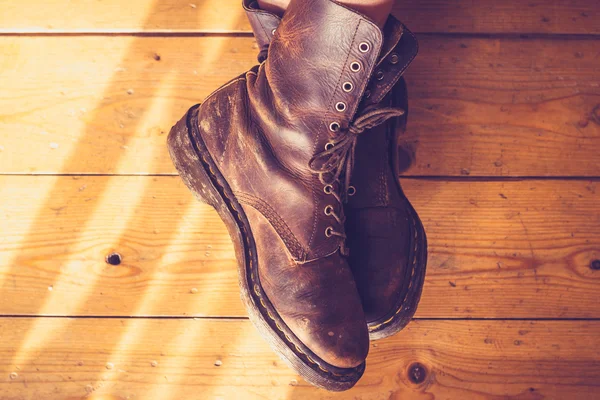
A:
201,175
395,321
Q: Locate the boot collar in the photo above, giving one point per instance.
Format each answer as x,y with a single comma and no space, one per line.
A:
399,49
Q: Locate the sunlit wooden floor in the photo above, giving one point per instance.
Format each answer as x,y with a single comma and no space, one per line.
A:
503,166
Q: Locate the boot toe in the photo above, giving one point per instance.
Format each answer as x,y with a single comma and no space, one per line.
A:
342,347
323,309
381,267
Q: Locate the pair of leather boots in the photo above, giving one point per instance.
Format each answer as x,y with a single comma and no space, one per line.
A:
299,158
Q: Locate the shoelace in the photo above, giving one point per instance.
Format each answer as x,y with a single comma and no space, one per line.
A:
338,160
335,163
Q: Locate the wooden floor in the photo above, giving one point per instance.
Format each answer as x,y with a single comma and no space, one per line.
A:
504,165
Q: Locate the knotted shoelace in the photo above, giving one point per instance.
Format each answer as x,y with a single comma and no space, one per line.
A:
336,162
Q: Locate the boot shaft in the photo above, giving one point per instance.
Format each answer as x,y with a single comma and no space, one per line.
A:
376,149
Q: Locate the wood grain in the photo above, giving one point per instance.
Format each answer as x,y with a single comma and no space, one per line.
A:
479,107
485,16
496,249
113,359
486,101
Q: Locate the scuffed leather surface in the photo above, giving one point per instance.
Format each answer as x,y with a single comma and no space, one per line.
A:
378,222
332,323
261,130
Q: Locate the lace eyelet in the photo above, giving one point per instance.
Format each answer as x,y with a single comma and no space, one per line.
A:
364,47
328,146
328,189
379,75
351,191
334,126
394,58
340,106
355,66
329,231
328,210
347,87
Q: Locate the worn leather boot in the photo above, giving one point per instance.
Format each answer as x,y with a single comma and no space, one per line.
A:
388,244
273,151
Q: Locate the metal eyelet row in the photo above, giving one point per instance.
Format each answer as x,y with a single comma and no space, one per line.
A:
355,66
328,189
340,106
379,74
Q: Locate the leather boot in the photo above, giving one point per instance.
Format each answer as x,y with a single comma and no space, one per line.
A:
272,150
389,246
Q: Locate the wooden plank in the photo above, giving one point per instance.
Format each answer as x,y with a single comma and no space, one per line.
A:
113,359
467,16
504,108
35,16
496,249
480,107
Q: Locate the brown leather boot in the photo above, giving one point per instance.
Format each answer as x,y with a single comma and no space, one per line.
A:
272,151
389,246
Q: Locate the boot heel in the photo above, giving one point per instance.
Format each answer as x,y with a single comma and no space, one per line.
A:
188,164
